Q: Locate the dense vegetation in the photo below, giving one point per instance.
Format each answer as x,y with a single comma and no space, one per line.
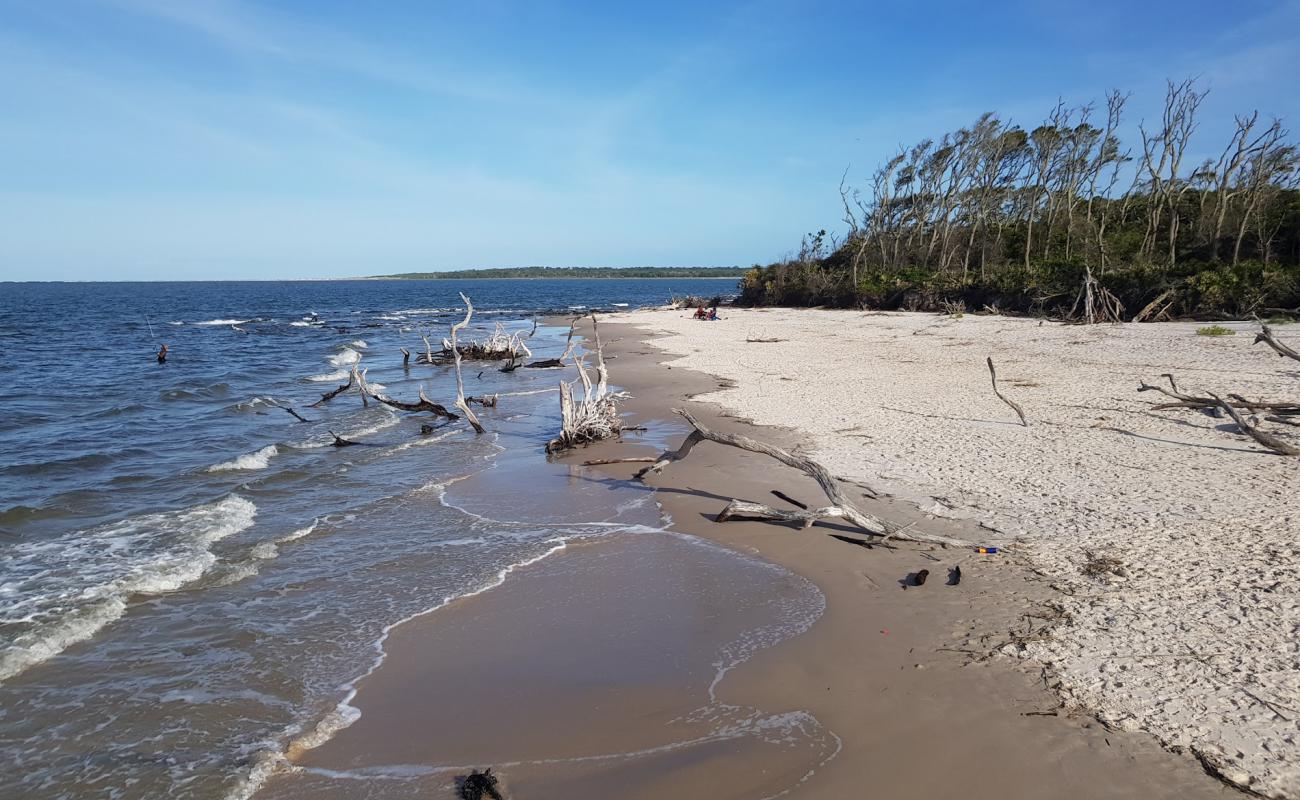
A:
1032,221
579,272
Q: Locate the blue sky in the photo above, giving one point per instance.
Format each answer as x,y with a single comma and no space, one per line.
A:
195,139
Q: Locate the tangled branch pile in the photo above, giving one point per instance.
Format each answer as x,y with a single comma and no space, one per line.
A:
595,416
1280,412
498,346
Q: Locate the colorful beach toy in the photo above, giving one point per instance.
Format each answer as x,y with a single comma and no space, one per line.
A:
986,549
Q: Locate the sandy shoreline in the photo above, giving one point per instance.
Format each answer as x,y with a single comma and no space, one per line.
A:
1196,638
887,671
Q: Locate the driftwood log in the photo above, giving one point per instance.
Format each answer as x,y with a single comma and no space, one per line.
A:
455,353
1267,440
993,373
841,506
1267,337
1184,400
333,393
424,404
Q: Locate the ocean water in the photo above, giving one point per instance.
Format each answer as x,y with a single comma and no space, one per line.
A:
191,579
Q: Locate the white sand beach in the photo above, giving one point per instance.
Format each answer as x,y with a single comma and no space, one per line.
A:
1171,538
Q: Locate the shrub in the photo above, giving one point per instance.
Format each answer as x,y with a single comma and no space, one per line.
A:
1215,330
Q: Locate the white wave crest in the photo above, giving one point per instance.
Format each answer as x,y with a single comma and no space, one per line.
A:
259,460
360,344
213,322
303,324
345,357
336,375
61,591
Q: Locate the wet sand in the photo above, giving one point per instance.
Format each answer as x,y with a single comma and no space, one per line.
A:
603,648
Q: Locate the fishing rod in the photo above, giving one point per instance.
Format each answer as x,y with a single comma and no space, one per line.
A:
150,324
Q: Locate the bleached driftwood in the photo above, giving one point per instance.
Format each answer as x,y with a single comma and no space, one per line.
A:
424,404
595,416
455,353
1267,440
1267,336
552,363
498,346
840,508
1184,400
1157,308
993,373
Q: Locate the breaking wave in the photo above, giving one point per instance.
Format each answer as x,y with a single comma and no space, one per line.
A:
258,460
63,590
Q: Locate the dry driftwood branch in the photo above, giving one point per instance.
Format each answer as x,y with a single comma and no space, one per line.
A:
1267,440
333,393
1019,411
294,414
1184,400
841,507
425,404
489,401
596,416
1266,336
455,352
1156,308
339,441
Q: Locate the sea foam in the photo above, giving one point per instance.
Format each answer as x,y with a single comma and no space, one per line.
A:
63,590
258,460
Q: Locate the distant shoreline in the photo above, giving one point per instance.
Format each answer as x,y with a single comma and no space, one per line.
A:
400,278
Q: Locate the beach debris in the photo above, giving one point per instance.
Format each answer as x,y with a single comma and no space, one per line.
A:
333,393
986,550
954,576
1020,412
596,416
293,413
478,785
339,441
456,357
487,401
1278,411
1265,335
789,499
1266,439
424,404
498,346
841,507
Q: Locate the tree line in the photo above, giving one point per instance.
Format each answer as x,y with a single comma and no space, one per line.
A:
1031,220
575,272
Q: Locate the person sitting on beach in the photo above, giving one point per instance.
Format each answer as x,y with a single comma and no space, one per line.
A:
700,313
162,355
713,314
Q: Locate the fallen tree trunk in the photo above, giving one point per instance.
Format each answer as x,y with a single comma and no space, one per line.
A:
1151,308
1267,440
424,404
1184,400
841,507
1266,336
1019,411
460,383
